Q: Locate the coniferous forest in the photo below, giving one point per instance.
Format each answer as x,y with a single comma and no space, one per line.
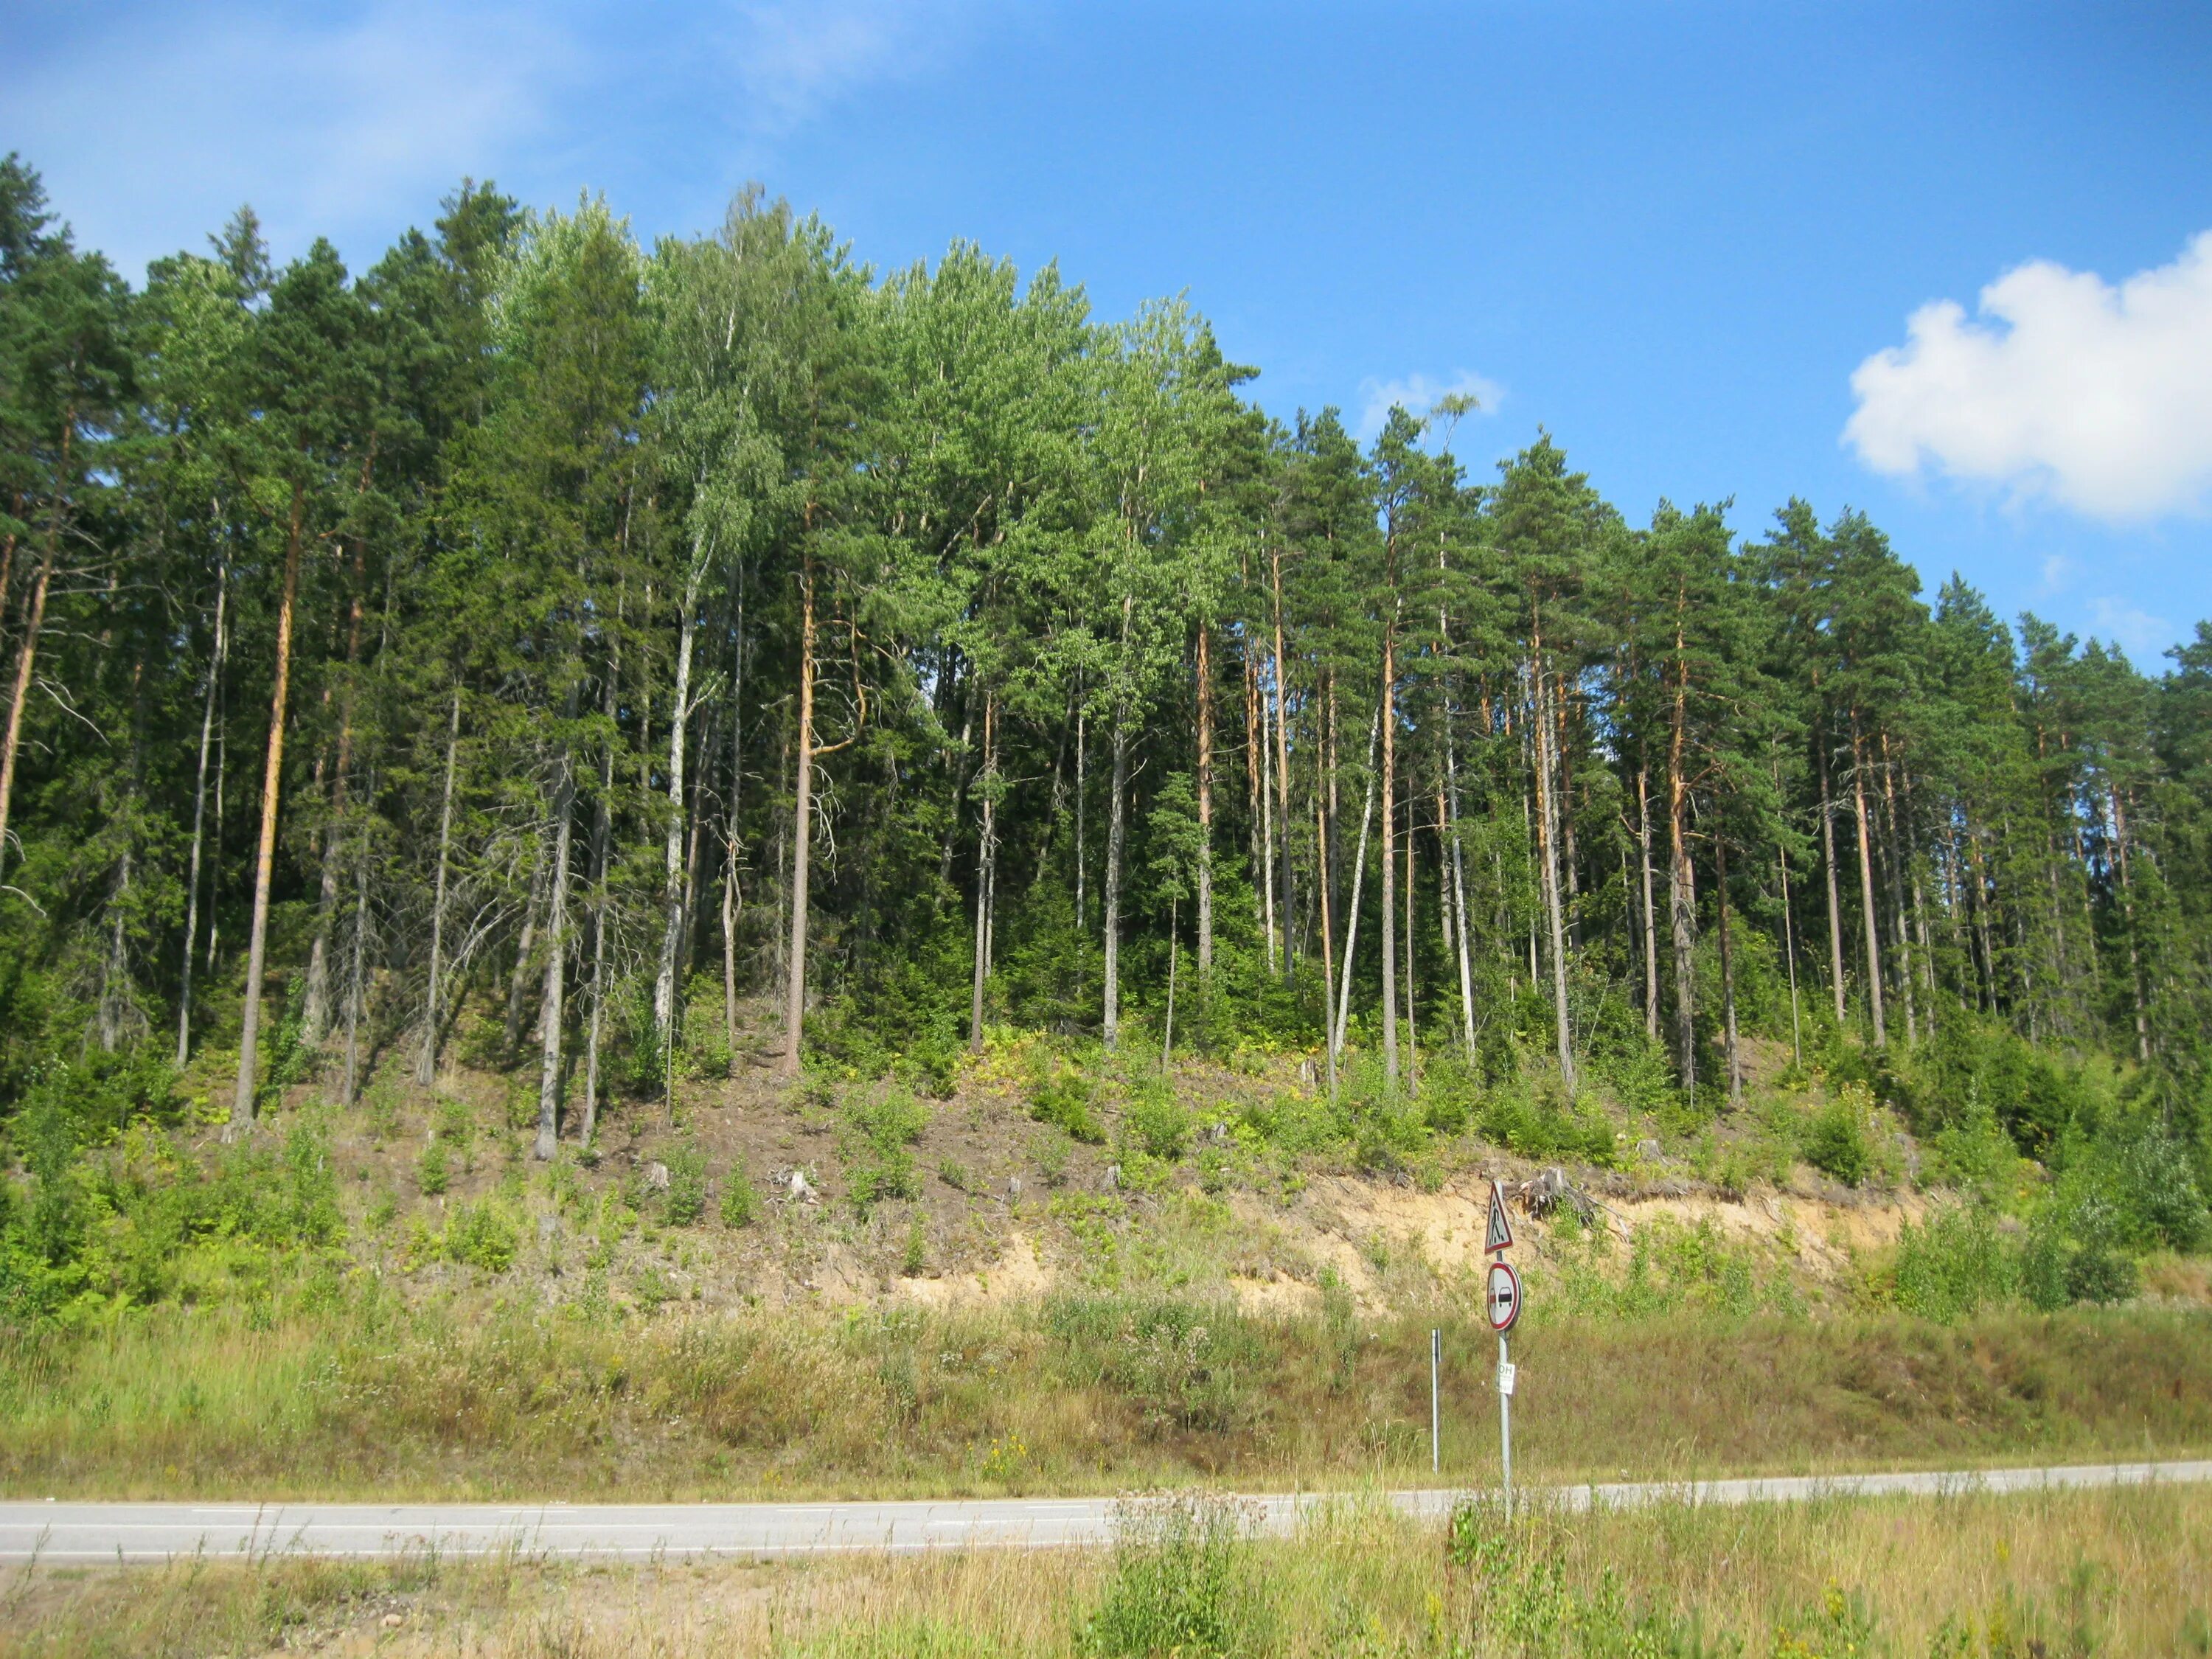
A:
557,653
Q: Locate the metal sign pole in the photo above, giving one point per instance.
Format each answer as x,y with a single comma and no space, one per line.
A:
1436,1408
1505,1417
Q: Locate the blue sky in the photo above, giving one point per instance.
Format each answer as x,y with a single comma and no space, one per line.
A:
1671,233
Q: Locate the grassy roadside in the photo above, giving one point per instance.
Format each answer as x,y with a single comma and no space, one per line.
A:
2113,1573
466,1400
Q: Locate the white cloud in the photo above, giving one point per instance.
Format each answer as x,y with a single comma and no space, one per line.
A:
323,123
2096,397
793,59
353,121
2135,630
1418,395
2057,571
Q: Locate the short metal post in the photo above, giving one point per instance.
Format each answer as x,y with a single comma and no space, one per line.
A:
1505,1422
1436,1408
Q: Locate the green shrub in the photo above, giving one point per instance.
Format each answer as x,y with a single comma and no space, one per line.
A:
740,1203
881,1130
480,1236
1953,1263
434,1171
2073,1253
1838,1140
1180,1582
1063,1099
707,1052
685,1200
1157,1120
2146,1175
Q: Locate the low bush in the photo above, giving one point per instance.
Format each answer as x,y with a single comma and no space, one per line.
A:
880,1130
1155,1120
1063,1098
1839,1139
1181,1583
1953,1263
740,1201
685,1203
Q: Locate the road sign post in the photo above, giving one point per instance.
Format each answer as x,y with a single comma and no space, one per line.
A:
1502,1305
1436,1401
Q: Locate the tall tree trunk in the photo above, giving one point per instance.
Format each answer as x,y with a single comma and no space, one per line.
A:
1728,970
1866,883
1896,862
1283,771
1116,843
426,1064
1388,855
986,854
1328,943
802,831
1650,927
1828,864
315,1011
1460,927
265,858
1204,817
1681,884
672,909
1268,828
1548,834
119,1005
518,982
2136,988
1082,799
199,816
732,899
1352,910
1789,956
603,829
27,653
552,1022
1257,854
1413,1040
356,983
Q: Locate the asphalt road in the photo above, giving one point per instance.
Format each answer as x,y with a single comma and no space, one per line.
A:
154,1531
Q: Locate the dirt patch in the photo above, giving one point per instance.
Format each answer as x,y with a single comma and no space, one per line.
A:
1016,1276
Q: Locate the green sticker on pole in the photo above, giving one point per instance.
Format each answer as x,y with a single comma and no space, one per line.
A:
1500,1236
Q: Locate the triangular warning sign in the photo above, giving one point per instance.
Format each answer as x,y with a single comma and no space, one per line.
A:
1501,1229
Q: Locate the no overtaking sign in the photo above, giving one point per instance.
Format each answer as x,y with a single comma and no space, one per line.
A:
1501,1300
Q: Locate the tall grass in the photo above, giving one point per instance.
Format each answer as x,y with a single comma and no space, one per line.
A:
2115,1573
368,1396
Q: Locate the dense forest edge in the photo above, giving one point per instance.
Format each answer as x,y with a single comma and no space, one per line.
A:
522,700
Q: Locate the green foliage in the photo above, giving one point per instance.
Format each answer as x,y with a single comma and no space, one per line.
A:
881,1128
740,1204
685,1203
1537,1124
1955,1262
1062,1097
1670,1266
1523,1600
1838,1140
1181,1582
1181,1365
481,1234
434,1170
1156,1119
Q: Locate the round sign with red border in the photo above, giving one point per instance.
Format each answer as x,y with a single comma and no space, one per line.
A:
1501,1300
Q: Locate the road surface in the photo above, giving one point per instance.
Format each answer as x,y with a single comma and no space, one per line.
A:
59,1532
